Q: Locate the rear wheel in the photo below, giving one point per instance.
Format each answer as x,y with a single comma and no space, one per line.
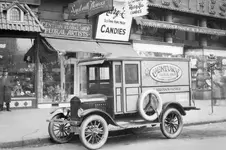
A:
60,132
94,132
171,123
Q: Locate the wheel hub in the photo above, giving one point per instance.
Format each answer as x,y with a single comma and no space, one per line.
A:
62,128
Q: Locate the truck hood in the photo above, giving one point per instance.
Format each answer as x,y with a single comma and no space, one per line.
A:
93,98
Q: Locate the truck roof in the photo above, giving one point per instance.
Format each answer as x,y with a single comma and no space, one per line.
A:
94,61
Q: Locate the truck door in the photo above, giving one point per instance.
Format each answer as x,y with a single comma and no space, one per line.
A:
131,85
117,79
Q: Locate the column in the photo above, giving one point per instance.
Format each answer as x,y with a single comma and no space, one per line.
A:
38,73
168,34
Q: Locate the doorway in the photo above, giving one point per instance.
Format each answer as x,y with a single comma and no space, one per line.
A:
69,79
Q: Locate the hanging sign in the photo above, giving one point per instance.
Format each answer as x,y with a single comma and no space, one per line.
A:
66,29
136,8
81,9
115,24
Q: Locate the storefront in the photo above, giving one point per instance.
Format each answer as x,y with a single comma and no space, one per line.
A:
201,72
61,45
185,29
19,27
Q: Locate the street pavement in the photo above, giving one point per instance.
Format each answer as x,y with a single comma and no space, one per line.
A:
197,137
28,126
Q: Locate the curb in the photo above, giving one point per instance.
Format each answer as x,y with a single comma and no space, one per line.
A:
24,143
47,140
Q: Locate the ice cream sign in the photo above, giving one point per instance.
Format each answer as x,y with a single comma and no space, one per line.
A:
165,73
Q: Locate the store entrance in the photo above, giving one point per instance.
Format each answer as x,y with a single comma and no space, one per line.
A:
69,80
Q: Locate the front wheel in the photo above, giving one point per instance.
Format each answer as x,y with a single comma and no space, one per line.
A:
60,132
171,123
94,132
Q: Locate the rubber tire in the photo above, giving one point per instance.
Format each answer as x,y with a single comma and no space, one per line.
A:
141,101
51,132
162,125
82,132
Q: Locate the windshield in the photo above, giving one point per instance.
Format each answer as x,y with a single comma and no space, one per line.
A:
99,80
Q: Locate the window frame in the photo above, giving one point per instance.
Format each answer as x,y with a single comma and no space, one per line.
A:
9,13
138,73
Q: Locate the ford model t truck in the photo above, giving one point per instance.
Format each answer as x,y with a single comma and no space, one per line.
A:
127,93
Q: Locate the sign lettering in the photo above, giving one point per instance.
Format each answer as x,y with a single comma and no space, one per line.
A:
189,28
165,73
114,25
213,8
67,29
86,8
137,8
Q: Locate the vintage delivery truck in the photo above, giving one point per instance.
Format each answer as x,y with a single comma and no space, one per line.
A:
128,93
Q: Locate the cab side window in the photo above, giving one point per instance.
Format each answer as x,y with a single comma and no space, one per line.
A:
118,77
131,74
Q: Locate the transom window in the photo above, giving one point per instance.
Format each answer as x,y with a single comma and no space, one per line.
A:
15,14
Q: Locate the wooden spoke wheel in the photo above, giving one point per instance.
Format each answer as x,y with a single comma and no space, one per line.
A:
60,132
171,123
94,132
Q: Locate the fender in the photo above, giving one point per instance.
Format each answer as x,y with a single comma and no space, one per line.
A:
176,105
57,111
100,112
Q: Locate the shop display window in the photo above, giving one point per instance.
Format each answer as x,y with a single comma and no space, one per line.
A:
201,75
22,74
51,82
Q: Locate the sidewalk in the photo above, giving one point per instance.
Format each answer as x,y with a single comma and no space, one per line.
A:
29,126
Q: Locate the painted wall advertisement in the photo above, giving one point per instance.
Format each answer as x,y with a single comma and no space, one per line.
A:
136,8
115,24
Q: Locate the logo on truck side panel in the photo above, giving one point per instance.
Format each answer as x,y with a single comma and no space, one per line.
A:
165,73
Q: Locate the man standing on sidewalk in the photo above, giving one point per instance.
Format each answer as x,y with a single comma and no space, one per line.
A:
5,90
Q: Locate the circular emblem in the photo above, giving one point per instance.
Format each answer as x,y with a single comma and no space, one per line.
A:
25,104
165,73
16,104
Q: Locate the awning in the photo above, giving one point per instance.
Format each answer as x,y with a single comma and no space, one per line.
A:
119,50
177,26
75,46
91,62
46,52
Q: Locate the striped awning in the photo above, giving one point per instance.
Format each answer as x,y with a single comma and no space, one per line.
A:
177,26
28,21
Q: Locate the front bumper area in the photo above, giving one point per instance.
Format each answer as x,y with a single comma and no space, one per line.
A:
72,123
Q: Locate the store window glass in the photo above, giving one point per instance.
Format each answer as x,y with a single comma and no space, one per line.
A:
52,82
22,74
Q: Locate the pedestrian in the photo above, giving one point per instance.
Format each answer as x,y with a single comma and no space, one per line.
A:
5,90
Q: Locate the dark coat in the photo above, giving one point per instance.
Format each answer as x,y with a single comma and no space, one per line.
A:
5,90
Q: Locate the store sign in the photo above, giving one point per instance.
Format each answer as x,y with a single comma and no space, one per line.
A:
214,8
115,24
136,8
66,29
182,27
31,2
165,73
87,8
